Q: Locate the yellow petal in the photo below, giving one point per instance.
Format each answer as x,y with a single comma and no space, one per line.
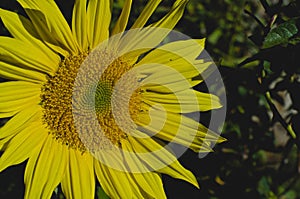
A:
172,63
167,54
15,90
20,121
170,20
18,104
146,14
179,129
167,80
185,101
155,155
186,69
45,169
171,81
79,23
141,40
15,96
21,28
99,16
176,170
123,18
79,178
13,72
21,145
207,67
51,25
167,76
167,86
8,114
149,181
15,52
117,184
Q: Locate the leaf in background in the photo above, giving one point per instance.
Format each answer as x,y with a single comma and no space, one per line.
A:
101,194
289,195
263,186
295,40
281,34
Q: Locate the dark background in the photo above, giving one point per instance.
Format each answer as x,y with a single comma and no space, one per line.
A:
256,47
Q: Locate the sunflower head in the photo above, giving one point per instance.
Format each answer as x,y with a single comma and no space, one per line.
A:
88,103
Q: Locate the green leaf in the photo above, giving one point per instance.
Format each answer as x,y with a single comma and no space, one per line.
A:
263,186
294,41
281,34
101,194
289,195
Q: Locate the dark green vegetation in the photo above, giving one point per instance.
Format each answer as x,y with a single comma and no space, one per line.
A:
256,46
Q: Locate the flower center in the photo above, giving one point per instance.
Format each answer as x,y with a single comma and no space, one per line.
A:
56,101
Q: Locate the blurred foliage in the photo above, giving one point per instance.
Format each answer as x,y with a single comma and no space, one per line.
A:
256,45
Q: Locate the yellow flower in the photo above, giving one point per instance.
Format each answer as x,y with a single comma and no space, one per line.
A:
48,103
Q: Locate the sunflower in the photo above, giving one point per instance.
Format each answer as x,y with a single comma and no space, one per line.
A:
80,113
